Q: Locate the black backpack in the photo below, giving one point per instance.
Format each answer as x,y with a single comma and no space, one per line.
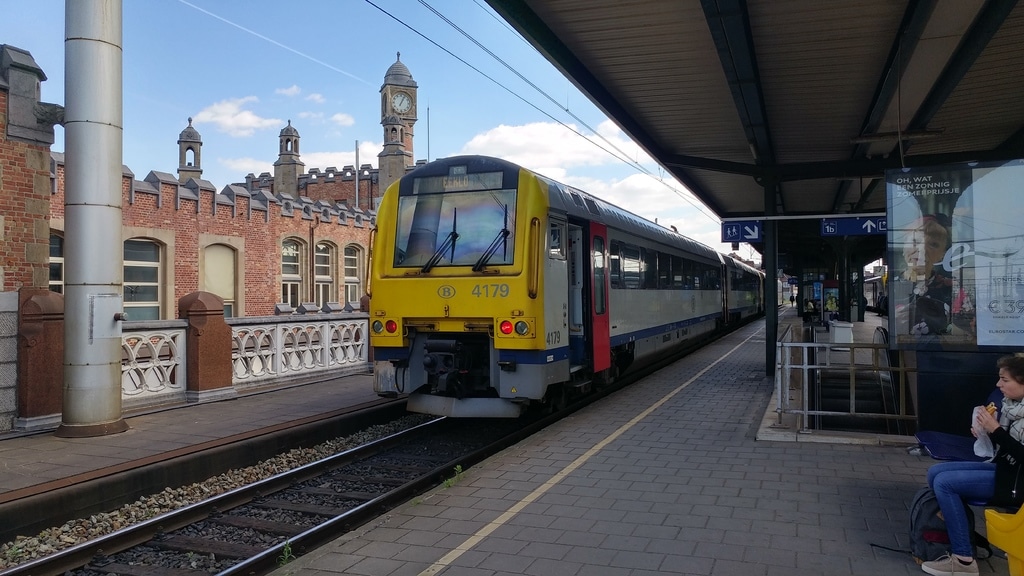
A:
928,537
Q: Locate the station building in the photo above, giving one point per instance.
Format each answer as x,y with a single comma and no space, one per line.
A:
270,244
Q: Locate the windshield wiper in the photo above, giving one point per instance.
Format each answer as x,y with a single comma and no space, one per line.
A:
499,240
449,242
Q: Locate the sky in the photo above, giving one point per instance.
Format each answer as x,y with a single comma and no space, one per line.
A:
243,69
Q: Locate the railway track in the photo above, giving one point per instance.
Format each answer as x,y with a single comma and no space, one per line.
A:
254,529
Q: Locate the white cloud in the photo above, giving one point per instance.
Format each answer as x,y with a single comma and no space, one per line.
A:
230,116
322,160
318,98
317,116
292,90
247,165
367,155
550,148
556,152
342,119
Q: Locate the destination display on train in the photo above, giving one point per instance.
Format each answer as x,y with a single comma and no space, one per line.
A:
457,181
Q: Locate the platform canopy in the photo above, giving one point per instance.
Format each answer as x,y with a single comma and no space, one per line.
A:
815,99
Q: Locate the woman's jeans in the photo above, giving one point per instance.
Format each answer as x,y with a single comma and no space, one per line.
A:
953,482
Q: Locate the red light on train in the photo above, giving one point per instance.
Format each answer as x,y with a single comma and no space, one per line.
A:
505,327
391,326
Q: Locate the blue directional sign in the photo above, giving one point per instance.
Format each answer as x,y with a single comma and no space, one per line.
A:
741,231
853,226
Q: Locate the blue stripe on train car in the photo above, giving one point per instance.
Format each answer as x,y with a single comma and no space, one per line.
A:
655,331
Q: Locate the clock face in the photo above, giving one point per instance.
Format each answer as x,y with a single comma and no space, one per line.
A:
401,102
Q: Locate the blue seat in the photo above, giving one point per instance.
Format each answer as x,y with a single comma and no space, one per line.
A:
946,446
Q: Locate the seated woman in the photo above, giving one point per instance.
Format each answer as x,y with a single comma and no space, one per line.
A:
995,482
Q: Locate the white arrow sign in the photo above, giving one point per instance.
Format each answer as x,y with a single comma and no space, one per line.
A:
868,226
750,233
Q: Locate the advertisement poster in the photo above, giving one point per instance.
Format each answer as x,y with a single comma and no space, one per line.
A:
998,260
956,269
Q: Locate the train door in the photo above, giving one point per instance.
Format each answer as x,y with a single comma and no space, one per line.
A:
589,326
600,330
577,272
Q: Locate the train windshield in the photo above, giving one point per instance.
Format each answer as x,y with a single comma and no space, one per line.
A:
455,228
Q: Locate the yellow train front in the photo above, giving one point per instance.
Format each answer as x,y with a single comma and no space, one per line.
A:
494,288
457,279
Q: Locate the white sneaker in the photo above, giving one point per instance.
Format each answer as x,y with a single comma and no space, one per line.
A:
948,565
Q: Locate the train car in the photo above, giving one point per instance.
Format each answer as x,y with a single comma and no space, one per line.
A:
493,288
875,296
744,294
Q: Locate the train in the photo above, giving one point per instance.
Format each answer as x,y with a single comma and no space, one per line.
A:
493,289
875,295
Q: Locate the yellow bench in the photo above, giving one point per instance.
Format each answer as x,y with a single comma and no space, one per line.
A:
1007,532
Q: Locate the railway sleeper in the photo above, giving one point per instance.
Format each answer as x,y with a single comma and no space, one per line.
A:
315,509
259,524
368,479
135,570
359,496
219,549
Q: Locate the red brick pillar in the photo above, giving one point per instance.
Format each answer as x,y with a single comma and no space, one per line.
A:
40,358
207,348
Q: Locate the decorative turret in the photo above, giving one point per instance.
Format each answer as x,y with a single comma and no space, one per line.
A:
288,166
190,146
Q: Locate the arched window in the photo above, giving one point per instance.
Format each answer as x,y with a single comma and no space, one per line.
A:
142,279
291,273
323,272
219,275
57,263
353,284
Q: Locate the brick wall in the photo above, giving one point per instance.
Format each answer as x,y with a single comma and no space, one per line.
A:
24,210
160,209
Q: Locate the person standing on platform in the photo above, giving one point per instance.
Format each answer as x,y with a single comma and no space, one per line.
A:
994,482
792,300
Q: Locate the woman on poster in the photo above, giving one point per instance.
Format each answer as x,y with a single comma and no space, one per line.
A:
932,294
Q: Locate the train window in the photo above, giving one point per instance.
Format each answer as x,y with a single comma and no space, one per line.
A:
649,262
556,235
681,273
456,229
615,266
592,206
576,198
631,267
664,270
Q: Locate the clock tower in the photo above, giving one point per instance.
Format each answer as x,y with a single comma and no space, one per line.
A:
397,116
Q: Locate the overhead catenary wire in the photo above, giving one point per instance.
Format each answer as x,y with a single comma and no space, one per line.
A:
620,155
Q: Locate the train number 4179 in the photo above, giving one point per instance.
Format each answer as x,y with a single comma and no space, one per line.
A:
491,290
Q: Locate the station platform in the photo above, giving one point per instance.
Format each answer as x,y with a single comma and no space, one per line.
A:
665,477
32,463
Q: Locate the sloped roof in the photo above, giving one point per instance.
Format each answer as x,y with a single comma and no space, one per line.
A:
818,97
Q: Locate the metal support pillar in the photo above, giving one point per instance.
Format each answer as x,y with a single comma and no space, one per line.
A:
94,256
771,278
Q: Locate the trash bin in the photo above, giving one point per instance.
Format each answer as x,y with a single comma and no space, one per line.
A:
842,332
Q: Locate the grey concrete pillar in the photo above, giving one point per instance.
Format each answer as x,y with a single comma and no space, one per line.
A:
93,256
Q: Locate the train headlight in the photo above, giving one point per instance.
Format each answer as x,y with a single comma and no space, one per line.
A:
391,326
522,328
377,326
505,327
